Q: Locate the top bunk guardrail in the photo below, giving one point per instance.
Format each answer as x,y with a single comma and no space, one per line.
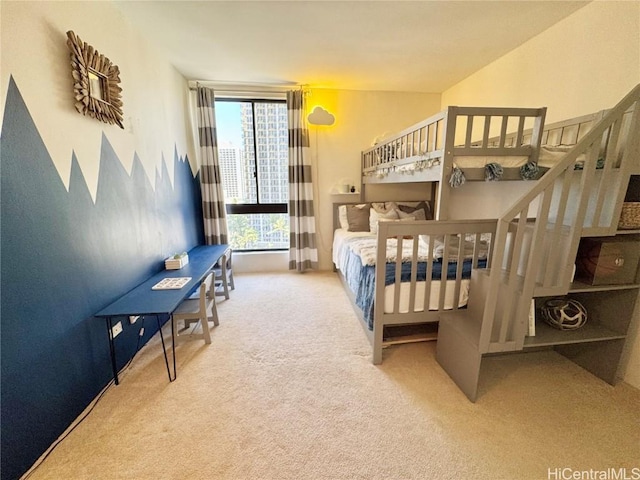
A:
431,147
565,132
558,138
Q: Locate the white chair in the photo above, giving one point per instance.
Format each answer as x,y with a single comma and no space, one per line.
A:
197,308
223,272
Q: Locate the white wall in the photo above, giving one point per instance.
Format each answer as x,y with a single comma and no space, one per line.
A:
360,117
35,53
583,64
254,262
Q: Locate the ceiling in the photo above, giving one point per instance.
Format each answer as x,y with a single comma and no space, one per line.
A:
420,46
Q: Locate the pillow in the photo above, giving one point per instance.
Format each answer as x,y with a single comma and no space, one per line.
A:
342,215
374,217
552,154
408,207
390,206
379,207
384,207
416,215
420,214
358,217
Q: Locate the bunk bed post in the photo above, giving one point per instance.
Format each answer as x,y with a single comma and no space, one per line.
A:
443,189
536,135
380,273
362,169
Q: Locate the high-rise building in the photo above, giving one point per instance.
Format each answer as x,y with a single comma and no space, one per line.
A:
230,159
270,147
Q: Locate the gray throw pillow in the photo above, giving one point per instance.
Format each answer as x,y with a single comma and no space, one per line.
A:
358,218
420,206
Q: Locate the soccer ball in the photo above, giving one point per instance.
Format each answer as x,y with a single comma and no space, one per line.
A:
564,313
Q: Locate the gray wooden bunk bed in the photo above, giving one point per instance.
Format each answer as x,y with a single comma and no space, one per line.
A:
494,267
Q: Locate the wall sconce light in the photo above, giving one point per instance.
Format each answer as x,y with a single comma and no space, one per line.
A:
320,116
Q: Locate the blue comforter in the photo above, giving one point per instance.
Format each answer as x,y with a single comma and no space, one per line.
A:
361,279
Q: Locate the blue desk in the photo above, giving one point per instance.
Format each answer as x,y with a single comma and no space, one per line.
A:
144,301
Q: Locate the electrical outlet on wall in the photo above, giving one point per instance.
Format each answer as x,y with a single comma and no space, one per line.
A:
116,329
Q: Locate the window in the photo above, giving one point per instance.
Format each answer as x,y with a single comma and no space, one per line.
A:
253,150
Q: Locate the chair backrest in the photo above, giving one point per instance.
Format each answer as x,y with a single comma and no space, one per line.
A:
227,254
207,291
225,260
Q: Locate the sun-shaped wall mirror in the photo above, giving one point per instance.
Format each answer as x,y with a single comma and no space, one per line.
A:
96,82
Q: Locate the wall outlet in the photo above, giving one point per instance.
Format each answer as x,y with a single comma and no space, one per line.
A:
133,319
116,329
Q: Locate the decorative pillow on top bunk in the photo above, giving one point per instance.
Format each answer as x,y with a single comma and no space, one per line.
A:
552,154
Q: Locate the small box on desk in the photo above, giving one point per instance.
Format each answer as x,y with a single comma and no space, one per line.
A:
608,260
176,262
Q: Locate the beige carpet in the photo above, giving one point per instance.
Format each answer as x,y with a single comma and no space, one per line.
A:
287,390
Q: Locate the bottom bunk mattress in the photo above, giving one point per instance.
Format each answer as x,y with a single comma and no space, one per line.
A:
354,255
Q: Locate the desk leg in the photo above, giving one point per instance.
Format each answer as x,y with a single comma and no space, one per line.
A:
164,349
112,350
173,345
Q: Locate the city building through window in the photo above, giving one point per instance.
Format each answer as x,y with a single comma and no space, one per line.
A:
253,151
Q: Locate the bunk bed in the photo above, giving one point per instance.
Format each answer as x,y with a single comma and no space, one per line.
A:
444,150
436,261
456,145
463,144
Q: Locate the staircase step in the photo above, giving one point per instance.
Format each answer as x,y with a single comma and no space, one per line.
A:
457,351
464,325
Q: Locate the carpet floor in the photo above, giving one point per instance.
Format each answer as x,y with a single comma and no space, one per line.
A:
287,390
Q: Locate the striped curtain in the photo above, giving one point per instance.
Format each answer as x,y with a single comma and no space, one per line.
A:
213,209
303,253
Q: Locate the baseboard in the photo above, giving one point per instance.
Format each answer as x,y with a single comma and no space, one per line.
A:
252,262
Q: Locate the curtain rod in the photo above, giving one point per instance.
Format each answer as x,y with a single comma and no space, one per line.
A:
243,86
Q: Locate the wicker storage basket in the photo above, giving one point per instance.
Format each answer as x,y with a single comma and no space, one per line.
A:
630,216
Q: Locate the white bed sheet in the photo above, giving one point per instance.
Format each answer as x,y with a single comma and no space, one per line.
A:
434,299
341,239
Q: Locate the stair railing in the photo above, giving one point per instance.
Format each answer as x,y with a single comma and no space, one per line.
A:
536,253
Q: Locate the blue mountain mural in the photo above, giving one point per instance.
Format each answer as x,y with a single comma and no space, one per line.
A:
63,258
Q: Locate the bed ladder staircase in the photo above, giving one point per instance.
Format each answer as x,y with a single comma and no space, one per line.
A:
536,243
